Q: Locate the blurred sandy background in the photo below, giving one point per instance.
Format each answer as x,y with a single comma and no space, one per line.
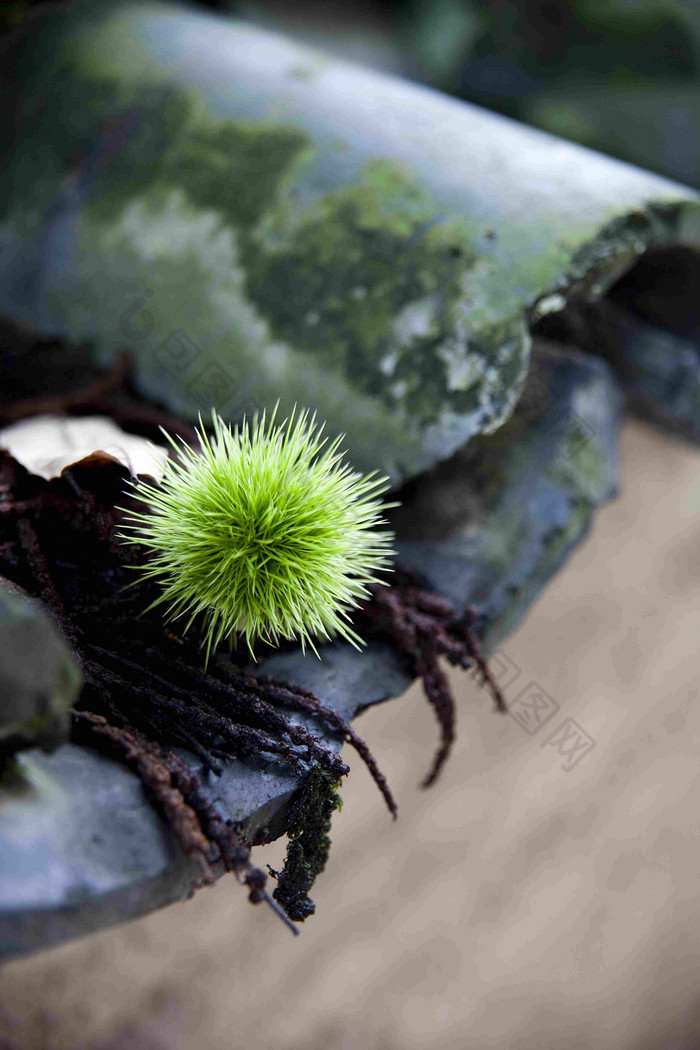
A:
517,903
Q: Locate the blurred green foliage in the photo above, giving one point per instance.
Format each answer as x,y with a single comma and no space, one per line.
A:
621,76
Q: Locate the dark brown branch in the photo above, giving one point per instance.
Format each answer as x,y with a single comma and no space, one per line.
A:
424,626
39,568
439,696
146,420
466,626
62,404
146,759
297,699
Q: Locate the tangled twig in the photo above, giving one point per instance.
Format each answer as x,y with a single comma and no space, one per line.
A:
425,627
109,394
147,759
97,390
180,793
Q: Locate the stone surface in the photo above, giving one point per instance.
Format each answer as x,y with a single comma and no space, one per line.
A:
260,222
660,370
39,676
493,524
80,845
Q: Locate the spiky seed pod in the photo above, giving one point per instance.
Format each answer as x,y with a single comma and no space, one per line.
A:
264,531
